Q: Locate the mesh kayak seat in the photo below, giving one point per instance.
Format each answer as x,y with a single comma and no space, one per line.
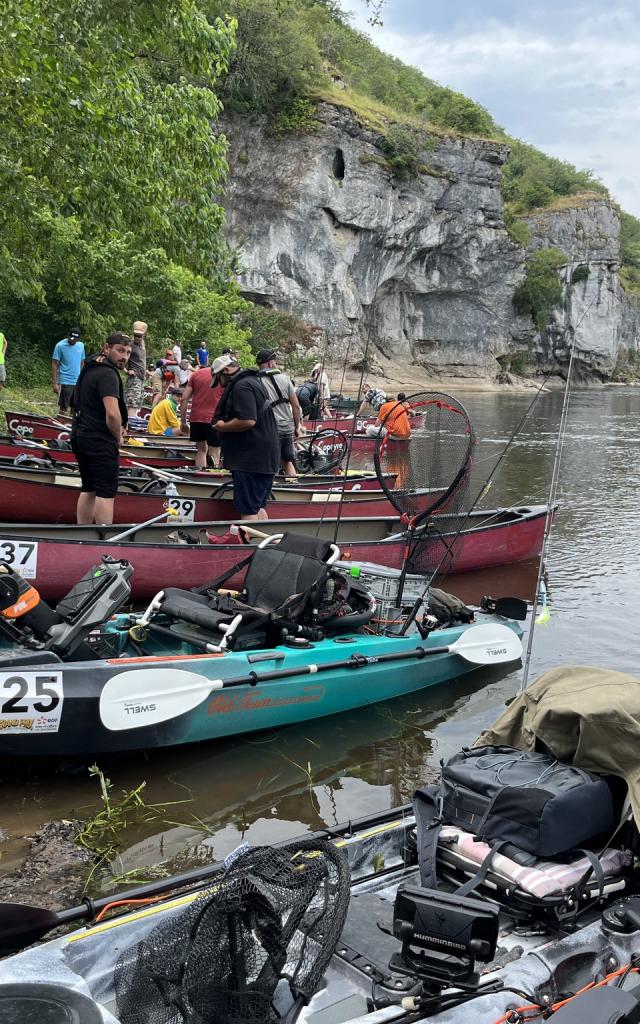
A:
282,587
527,885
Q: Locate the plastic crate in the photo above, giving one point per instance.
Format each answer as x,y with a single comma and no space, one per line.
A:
384,582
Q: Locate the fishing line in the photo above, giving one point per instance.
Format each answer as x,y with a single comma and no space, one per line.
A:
549,516
555,474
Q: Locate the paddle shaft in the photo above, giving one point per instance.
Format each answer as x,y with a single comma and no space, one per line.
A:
355,661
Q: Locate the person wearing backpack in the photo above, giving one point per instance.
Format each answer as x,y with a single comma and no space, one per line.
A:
246,426
286,409
307,395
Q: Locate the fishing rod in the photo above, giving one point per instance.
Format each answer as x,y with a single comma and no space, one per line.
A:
420,520
555,475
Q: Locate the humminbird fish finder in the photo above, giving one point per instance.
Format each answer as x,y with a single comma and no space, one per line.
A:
443,935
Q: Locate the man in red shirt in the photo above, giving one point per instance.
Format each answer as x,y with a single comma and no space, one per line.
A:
204,400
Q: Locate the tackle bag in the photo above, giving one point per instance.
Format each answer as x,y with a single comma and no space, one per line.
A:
524,800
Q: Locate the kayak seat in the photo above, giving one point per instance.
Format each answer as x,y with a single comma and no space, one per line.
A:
284,585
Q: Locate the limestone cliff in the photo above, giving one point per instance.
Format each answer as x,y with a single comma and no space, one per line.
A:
420,270
595,308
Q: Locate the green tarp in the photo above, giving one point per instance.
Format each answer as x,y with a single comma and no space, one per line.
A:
585,716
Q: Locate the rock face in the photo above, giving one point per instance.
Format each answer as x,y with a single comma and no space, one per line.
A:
420,270
595,309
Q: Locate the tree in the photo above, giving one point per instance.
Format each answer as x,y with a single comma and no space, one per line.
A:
106,109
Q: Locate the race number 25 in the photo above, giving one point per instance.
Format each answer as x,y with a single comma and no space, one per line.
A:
30,701
20,555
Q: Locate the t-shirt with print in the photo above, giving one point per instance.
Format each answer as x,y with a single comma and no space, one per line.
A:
204,398
70,359
256,450
98,380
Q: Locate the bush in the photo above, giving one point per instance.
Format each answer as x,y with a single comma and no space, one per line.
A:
400,146
541,289
581,273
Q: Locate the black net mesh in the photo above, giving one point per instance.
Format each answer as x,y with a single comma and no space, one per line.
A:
427,478
321,452
430,472
270,922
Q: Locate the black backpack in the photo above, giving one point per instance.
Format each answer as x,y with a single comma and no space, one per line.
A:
507,796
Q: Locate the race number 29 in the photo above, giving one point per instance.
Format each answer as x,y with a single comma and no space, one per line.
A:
30,702
185,509
20,555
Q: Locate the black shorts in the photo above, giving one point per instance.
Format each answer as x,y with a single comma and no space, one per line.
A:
99,462
250,491
204,432
287,451
65,398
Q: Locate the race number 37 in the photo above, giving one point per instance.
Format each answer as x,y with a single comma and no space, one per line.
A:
20,555
30,701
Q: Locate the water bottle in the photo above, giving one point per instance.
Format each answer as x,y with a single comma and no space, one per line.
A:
171,490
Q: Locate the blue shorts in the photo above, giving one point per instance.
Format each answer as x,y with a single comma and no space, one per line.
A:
250,491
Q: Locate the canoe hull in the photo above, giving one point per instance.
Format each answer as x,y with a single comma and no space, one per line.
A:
55,563
223,713
19,496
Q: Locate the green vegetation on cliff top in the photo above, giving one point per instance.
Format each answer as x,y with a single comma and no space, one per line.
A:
293,50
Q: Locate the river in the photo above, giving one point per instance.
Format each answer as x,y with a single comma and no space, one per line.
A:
282,784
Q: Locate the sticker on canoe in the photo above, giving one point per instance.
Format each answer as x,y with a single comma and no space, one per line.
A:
185,509
20,555
257,700
30,702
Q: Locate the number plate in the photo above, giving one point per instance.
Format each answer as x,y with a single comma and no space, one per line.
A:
21,556
30,702
185,507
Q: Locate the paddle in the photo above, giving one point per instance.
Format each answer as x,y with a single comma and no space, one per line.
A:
140,526
155,702
22,924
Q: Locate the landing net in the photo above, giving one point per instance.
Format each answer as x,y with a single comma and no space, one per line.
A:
321,452
246,949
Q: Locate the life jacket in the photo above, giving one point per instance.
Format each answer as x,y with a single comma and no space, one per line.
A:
270,377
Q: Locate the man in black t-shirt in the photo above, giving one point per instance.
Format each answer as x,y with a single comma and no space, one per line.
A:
248,433
99,420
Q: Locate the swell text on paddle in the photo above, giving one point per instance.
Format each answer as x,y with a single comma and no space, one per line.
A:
495,652
139,709
224,704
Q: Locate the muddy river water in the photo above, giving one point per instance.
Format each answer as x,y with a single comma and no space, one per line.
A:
280,784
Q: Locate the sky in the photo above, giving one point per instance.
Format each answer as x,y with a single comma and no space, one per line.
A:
562,75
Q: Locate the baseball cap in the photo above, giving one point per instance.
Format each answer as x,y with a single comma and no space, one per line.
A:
221,363
265,354
139,327
75,332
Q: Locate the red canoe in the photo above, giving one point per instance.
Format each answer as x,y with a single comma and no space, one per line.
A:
11,449
55,557
20,495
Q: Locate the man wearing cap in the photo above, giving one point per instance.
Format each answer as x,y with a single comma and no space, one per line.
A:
286,408
319,376
164,416
247,429
136,369
66,363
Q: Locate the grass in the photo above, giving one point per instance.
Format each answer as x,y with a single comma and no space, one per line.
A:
17,398
576,201
378,116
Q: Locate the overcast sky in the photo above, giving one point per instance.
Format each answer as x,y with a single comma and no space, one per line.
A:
561,74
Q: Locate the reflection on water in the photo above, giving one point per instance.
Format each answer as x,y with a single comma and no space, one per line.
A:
283,783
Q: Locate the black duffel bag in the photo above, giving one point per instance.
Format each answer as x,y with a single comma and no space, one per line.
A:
504,795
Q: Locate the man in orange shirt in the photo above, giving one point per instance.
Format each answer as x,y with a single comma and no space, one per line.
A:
393,419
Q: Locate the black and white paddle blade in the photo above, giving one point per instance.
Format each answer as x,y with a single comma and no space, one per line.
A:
426,473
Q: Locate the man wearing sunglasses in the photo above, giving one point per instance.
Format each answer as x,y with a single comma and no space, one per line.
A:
246,426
